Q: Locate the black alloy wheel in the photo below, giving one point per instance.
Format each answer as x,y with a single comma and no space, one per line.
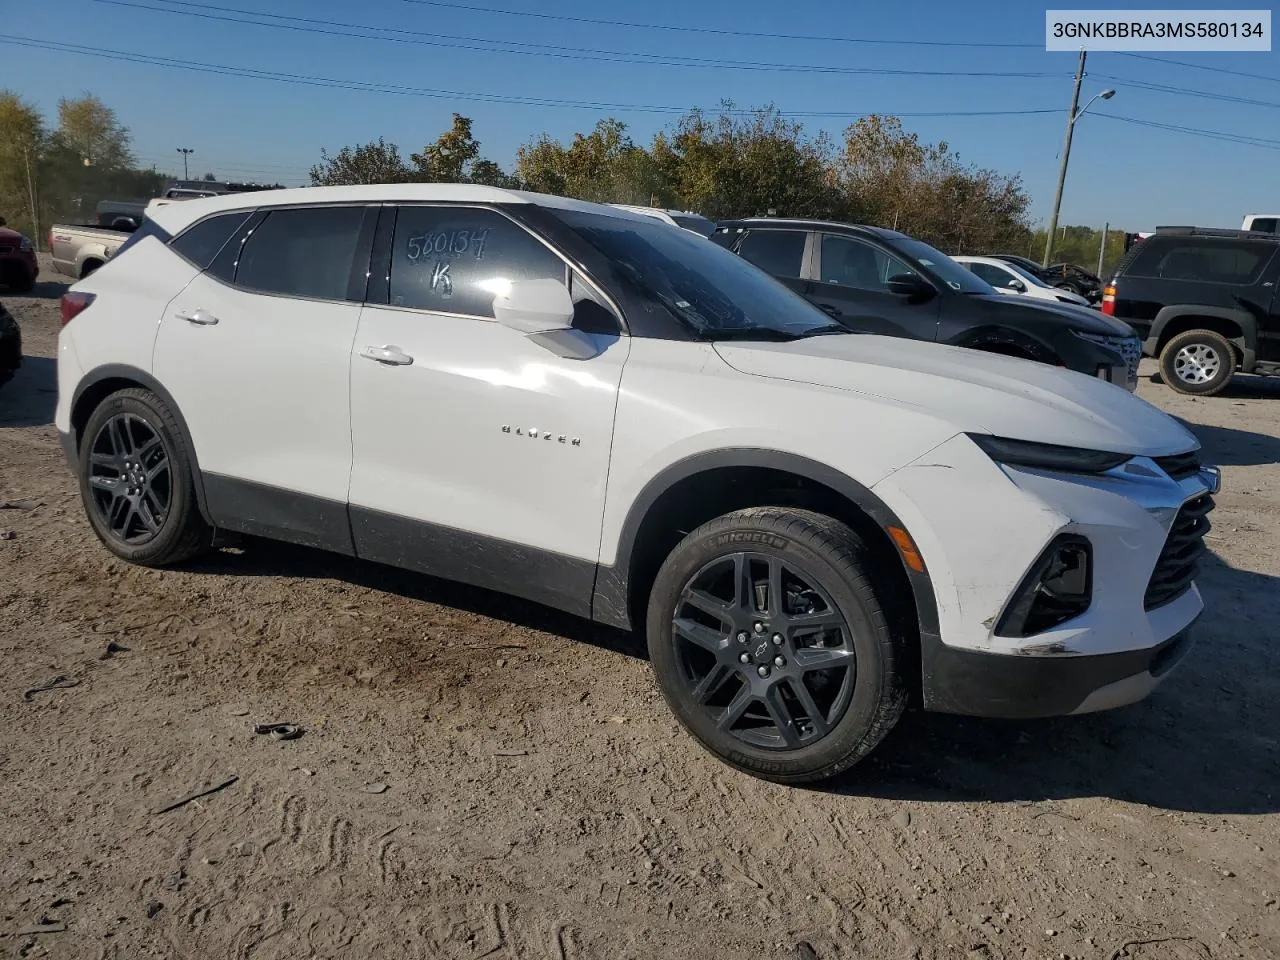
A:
764,651
130,478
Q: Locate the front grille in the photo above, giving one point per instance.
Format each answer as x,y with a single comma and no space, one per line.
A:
1179,559
1180,465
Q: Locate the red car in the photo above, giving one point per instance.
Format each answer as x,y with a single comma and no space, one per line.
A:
18,267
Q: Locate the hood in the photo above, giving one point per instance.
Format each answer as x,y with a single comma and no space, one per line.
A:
973,391
1070,315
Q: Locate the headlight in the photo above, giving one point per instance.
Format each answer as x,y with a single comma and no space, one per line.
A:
24,244
1047,456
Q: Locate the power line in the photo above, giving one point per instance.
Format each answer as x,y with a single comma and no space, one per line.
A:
1240,138
1200,66
369,87
718,31
1187,91
223,14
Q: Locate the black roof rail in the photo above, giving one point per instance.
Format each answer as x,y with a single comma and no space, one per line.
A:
1215,232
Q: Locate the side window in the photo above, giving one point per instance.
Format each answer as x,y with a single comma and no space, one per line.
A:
1264,224
779,252
1205,261
993,275
200,243
305,252
853,263
456,259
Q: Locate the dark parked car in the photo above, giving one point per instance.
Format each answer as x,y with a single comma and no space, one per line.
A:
880,281
1204,301
10,345
18,266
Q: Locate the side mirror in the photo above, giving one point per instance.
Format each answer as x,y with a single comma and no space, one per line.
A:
532,307
1016,284
910,285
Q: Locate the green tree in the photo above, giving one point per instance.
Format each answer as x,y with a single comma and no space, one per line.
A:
449,159
90,130
23,143
365,163
742,165
603,166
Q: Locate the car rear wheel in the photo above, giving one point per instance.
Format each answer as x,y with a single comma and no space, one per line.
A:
1198,362
769,644
136,481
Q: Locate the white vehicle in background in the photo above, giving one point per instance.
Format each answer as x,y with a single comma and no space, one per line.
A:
629,423
1010,278
1261,222
685,219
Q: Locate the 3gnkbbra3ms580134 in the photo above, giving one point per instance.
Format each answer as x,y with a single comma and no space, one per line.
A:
606,414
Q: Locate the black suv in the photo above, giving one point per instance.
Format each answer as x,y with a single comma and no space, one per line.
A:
880,281
1204,302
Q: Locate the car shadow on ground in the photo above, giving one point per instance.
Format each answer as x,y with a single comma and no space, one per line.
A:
1228,447
43,290
255,557
29,399
1205,742
1242,387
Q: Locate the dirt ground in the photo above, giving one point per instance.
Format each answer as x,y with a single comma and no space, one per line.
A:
484,778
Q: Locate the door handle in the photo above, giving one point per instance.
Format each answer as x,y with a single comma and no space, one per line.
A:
202,317
390,355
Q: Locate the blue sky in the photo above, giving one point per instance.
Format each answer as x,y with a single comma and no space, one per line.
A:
1133,176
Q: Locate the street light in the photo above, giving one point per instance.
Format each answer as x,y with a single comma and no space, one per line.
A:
1066,153
186,152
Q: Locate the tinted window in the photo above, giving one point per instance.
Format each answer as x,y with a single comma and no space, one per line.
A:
694,223
1203,260
993,275
852,263
302,253
1264,224
780,252
455,259
724,238
201,242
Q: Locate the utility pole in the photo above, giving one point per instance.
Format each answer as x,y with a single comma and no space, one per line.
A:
1062,167
31,192
187,151
1102,247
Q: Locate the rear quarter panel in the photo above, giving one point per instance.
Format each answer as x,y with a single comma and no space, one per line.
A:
120,326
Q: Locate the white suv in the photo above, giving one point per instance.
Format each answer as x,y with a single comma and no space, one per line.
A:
581,406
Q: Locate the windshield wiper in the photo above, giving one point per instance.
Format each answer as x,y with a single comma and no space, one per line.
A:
824,330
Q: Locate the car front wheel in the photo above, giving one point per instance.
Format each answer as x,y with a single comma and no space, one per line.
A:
1198,362
769,644
136,481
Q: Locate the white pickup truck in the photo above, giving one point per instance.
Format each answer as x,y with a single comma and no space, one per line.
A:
80,249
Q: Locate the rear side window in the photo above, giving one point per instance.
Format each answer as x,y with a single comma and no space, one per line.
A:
1202,260
1264,224
201,242
456,259
779,252
305,252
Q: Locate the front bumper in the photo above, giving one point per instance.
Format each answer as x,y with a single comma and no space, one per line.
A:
1116,651
995,685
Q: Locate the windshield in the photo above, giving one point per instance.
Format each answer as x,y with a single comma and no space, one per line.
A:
941,266
714,292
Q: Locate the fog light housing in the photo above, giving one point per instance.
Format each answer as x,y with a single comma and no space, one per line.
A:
1058,588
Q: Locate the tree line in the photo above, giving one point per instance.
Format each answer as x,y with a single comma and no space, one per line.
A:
733,163
722,164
